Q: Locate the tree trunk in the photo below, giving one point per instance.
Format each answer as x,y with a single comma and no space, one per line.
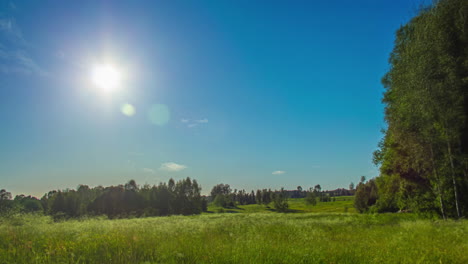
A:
442,208
449,149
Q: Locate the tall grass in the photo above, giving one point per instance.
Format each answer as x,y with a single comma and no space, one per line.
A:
236,238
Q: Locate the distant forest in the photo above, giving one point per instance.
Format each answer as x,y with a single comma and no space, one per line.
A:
423,156
182,197
131,200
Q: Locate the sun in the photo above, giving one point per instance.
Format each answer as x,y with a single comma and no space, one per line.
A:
106,77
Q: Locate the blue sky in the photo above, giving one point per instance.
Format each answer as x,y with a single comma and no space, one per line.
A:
257,94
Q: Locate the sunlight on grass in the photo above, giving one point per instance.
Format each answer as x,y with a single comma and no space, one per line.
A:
343,204
236,238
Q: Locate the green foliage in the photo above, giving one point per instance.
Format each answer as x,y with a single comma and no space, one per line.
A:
423,156
266,197
390,195
222,196
129,200
28,204
223,189
311,198
204,204
242,197
221,200
5,201
295,205
280,201
324,197
366,195
258,197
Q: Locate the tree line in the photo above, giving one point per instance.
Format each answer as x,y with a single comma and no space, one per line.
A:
131,200
181,197
222,195
423,156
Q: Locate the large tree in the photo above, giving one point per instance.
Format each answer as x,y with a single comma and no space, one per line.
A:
423,156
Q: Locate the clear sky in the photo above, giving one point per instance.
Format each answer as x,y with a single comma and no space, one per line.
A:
257,94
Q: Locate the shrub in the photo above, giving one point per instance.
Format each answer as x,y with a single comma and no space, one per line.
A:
311,198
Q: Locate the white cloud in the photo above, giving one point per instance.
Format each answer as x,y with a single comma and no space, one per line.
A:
201,121
278,172
148,170
172,166
194,122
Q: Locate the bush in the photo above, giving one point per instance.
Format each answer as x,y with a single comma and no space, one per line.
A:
311,198
223,201
366,196
280,202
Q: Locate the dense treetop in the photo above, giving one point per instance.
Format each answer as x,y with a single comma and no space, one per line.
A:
423,156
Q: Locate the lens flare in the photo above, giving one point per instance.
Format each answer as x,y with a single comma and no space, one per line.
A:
159,114
128,109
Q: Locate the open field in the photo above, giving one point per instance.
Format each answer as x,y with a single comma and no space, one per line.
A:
343,204
260,237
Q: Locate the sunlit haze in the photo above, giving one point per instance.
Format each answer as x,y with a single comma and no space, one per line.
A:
106,77
255,94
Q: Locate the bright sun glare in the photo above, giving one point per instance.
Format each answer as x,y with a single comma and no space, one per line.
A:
106,77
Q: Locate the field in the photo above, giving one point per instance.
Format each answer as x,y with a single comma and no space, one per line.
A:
343,204
250,234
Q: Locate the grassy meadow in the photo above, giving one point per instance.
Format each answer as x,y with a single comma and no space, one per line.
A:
343,204
249,234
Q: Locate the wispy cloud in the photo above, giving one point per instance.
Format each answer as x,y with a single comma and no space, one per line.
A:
14,56
18,62
278,172
201,121
172,166
148,170
10,30
193,123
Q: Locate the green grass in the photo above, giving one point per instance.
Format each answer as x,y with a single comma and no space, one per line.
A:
343,204
255,236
